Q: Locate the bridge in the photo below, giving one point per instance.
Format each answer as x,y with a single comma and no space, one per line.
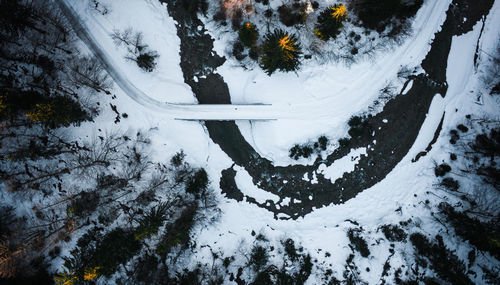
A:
198,112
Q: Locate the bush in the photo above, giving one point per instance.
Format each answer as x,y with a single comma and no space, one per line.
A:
358,243
290,249
178,158
393,233
450,184
442,169
238,49
151,222
85,204
292,15
198,183
259,257
454,136
488,145
330,21
462,128
248,34
323,142
359,126
344,142
178,232
485,236
280,51
103,252
147,60
446,264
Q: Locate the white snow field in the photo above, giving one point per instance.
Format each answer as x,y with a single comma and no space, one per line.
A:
318,100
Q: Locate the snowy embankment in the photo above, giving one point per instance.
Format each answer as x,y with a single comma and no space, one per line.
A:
394,199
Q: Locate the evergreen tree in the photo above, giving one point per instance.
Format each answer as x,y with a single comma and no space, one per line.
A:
280,51
330,21
57,111
248,34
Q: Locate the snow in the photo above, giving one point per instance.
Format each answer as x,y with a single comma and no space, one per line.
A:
318,101
403,188
322,97
166,83
343,165
244,182
408,87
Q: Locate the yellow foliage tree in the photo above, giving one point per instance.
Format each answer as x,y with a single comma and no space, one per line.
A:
287,44
339,12
41,113
67,277
91,274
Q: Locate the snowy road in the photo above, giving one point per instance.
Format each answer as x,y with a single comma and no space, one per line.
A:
175,111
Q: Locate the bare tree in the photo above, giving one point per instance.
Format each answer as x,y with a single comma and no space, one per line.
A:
87,71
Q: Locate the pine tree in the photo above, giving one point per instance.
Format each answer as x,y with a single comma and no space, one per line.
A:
280,51
248,34
330,21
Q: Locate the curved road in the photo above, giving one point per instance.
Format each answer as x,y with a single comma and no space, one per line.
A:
220,112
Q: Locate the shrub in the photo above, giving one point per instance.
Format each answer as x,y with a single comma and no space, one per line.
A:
292,15
85,204
393,233
248,34
238,49
485,236
178,232
198,182
280,51
259,257
330,21
454,136
446,264
442,169
323,142
344,142
147,60
359,126
103,252
178,158
462,128
290,249
488,145
358,243
151,222
450,184
307,151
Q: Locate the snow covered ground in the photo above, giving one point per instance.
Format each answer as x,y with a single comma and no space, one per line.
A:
394,199
322,97
318,100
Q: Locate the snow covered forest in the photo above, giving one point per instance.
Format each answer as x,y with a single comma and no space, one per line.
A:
249,142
